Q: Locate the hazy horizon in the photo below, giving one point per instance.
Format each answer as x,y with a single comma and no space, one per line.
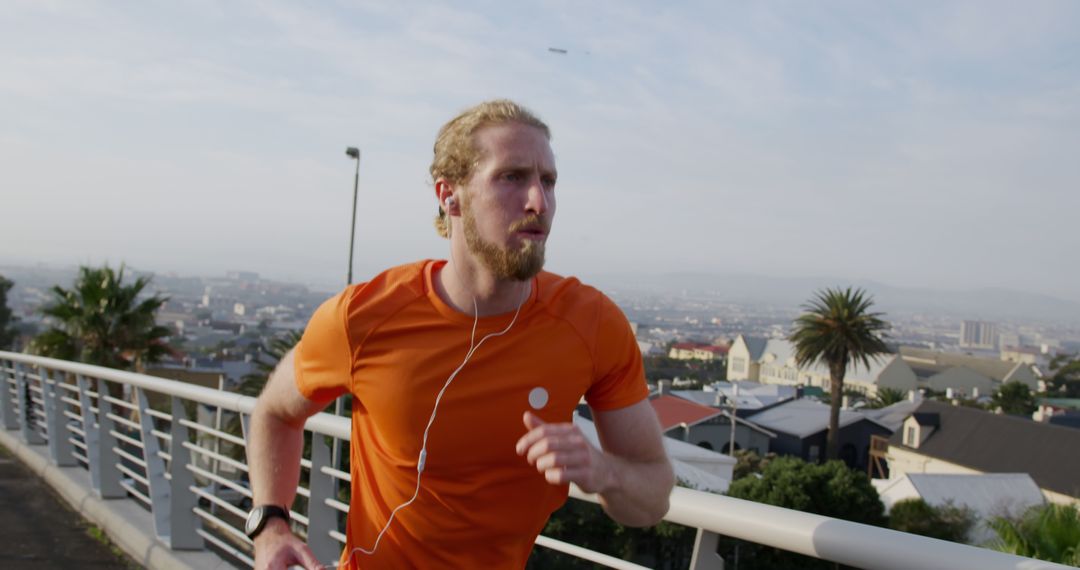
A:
923,146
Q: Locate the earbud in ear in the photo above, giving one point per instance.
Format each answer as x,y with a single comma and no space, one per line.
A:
451,202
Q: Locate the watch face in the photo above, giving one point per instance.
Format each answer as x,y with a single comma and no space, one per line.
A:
254,518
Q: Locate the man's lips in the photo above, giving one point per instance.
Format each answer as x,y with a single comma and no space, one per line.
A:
533,233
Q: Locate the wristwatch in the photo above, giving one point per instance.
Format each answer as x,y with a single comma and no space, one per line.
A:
257,518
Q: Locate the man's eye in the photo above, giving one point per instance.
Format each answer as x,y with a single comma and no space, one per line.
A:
512,176
549,182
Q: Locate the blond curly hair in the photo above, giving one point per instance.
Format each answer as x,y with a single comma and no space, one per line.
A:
456,154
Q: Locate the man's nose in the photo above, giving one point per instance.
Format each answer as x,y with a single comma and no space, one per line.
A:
537,202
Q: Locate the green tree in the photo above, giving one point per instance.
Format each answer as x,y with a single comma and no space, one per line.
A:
270,353
1065,380
886,397
1014,398
748,462
1048,532
664,546
946,522
838,329
102,321
7,331
830,489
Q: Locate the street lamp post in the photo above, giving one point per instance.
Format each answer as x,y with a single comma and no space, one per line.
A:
339,405
353,152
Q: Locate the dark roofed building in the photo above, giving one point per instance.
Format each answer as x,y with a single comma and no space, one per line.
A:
939,438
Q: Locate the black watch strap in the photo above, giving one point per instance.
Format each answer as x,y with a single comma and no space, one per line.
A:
259,516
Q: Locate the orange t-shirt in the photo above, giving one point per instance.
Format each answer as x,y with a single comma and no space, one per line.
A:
392,343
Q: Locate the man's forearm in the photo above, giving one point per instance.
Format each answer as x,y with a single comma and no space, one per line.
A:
274,452
640,491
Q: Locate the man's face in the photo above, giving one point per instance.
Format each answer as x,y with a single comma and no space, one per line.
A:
509,202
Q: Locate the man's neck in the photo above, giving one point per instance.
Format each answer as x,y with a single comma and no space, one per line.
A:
464,279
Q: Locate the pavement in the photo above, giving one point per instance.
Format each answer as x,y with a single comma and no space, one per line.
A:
41,531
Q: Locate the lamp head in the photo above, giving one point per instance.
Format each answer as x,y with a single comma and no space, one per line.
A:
353,152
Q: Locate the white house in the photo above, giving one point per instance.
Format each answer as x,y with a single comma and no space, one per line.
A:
772,361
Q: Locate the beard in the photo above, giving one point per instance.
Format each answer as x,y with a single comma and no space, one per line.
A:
506,263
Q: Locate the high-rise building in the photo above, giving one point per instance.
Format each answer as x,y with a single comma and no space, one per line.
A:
979,335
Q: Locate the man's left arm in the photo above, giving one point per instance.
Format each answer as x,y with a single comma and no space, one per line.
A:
631,474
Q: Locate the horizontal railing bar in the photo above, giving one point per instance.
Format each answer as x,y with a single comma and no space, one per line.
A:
121,403
68,386
158,414
208,516
214,432
586,554
846,542
220,480
126,438
214,455
77,443
72,416
228,548
130,488
336,473
219,502
136,460
338,536
161,434
80,457
131,473
123,421
337,505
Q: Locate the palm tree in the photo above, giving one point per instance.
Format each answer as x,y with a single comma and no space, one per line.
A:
838,329
253,384
1048,532
270,353
886,397
102,321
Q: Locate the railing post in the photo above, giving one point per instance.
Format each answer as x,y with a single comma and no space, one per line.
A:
322,518
705,556
160,502
182,501
100,442
7,410
60,449
26,408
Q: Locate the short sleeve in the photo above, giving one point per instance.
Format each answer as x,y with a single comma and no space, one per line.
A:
323,359
619,380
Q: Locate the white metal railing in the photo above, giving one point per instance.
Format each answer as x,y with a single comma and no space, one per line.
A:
138,436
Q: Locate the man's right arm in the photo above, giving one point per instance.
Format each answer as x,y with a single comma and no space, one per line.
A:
274,451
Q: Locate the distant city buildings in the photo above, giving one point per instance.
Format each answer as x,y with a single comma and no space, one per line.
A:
979,335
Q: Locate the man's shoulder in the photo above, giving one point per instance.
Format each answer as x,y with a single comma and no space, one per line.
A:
391,288
569,298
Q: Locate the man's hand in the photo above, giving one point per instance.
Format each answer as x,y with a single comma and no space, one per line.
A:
277,548
562,454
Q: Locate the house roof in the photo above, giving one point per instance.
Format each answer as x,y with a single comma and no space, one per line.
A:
755,346
894,415
927,363
805,417
988,493
752,395
994,443
673,412
782,352
703,469
927,419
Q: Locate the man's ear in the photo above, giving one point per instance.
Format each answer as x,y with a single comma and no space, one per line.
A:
445,192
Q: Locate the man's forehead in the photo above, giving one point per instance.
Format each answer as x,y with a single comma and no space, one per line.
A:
514,143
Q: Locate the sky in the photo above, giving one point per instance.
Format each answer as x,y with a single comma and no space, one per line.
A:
927,144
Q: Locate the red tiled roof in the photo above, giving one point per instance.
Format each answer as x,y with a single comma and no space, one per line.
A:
673,411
